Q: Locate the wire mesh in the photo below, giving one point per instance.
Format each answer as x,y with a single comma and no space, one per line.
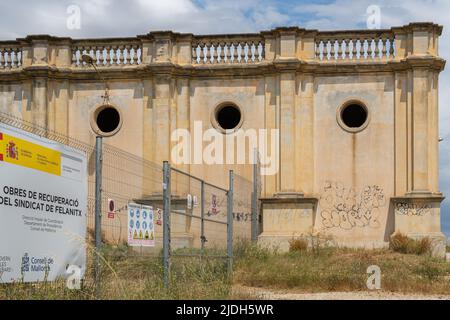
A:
198,223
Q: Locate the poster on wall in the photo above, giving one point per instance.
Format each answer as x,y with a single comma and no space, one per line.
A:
43,204
141,228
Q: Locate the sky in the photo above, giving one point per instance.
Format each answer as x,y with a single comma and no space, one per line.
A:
115,18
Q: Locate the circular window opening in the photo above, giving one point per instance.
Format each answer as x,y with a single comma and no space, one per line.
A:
354,116
108,120
228,117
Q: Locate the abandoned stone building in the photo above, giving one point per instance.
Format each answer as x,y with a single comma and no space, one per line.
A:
356,112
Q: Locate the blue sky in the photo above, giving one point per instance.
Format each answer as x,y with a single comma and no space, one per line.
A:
113,18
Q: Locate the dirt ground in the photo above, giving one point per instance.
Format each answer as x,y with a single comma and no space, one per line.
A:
269,294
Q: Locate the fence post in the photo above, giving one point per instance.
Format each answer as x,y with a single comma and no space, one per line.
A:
166,220
202,227
255,199
230,223
98,210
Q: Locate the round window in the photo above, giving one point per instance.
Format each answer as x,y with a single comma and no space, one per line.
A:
353,117
227,117
108,119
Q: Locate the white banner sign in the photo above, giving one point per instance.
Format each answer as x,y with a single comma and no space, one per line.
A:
141,227
43,202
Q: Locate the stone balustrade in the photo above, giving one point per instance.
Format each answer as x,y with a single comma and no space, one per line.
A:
118,53
278,47
354,46
228,50
10,55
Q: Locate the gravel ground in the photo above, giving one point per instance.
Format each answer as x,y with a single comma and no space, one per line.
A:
265,294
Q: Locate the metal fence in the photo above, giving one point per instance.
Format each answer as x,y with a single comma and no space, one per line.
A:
194,218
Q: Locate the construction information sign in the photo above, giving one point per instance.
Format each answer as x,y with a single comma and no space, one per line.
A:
141,227
43,202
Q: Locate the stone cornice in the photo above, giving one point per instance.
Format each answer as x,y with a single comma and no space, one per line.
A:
218,71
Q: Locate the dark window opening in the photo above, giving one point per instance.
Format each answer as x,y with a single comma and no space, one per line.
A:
228,117
108,120
354,116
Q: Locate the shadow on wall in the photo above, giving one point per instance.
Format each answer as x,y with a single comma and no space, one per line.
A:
445,217
390,223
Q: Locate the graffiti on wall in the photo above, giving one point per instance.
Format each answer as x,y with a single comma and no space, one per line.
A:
412,209
346,208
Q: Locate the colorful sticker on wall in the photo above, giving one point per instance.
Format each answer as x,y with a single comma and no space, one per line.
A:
141,228
159,217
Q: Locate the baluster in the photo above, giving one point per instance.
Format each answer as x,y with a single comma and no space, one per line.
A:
139,54
369,48
384,43
127,57
363,49
245,52
226,52
241,52
108,56
340,55
328,49
222,52
202,53
354,49
8,58
113,56
208,53
347,49
74,57
95,54
333,50
215,56
91,52
322,50
229,53
392,48
236,52
2,60
134,55
260,51
15,58
102,55
120,55
254,51
377,48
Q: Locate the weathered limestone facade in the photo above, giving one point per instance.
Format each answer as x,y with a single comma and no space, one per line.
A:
358,186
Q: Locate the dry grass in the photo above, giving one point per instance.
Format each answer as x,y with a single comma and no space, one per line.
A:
403,244
332,269
298,245
127,275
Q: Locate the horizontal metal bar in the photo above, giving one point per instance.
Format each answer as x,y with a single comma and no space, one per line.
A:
198,217
199,255
198,179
